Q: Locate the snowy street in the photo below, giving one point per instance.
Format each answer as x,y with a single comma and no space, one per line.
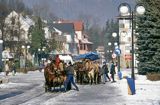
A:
28,89
23,88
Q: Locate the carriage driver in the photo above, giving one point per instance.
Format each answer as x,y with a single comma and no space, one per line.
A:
70,76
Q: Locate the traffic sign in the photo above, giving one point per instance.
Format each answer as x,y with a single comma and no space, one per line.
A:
114,55
117,51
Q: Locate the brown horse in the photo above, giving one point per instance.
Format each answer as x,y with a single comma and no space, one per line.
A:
78,67
91,72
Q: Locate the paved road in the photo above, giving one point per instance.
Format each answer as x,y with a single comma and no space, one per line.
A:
27,89
23,88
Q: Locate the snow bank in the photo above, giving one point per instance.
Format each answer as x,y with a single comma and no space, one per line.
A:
147,92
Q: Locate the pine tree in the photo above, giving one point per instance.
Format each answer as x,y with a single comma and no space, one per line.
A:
37,38
111,26
148,38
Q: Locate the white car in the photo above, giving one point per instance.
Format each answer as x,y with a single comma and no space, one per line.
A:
66,58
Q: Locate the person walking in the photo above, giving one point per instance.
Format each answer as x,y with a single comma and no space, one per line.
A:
13,69
70,77
112,71
106,71
6,68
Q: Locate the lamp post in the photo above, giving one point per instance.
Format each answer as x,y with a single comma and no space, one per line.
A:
27,51
109,51
1,49
26,48
41,55
125,10
114,34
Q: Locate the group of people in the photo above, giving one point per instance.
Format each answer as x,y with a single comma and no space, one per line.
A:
77,74
105,71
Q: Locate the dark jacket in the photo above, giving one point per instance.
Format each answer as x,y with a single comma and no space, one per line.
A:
105,69
70,70
13,67
112,69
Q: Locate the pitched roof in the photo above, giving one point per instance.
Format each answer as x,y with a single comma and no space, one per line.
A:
78,25
64,27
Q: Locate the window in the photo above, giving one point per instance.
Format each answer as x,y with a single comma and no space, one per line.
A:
81,47
84,47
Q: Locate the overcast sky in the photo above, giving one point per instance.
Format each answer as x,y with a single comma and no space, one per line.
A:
102,10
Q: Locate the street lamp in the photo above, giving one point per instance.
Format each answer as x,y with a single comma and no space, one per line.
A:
109,43
115,44
109,51
41,55
124,10
26,53
1,49
114,34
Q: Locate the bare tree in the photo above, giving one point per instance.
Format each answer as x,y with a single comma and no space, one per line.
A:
43,10
3,13
87,19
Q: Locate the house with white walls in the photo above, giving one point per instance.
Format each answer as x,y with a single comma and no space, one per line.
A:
81,38
66,30
19,24
16,34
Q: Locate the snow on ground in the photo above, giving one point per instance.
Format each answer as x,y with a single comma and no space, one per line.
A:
147,92
61,97
12,85
9,84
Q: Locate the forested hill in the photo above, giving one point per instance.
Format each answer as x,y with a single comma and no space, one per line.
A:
96,10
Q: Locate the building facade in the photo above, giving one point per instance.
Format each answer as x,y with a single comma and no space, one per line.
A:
125,39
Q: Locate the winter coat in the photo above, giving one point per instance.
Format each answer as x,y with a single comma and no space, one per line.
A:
70,70
112,69
105,69
13,67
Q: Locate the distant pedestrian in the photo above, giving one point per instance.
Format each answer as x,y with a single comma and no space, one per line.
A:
70,76
112,71
41,67
13,69
6,68
106,71
45,63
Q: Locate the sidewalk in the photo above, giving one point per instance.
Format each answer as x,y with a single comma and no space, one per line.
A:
147,92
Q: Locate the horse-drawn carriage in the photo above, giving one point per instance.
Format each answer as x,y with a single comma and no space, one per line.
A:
86,72
53,77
